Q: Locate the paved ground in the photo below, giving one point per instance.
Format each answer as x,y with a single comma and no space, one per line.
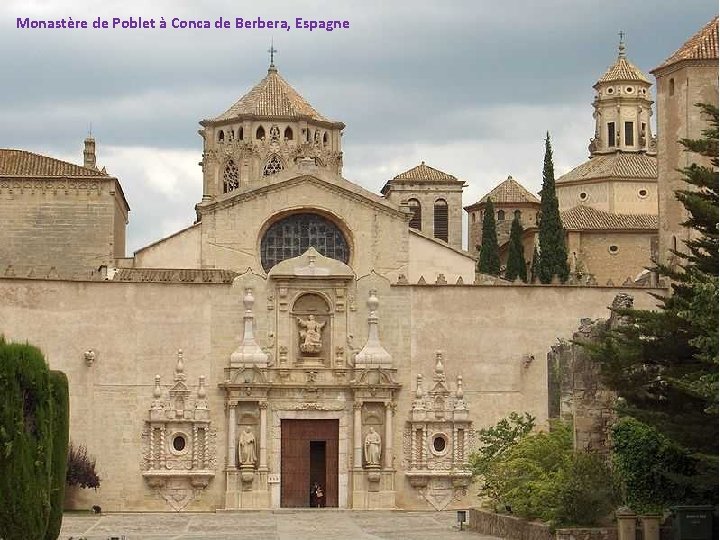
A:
276,525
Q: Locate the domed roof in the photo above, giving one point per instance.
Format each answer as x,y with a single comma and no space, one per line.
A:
620,165
623,70
272,96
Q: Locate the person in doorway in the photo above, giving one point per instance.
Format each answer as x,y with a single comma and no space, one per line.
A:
319,496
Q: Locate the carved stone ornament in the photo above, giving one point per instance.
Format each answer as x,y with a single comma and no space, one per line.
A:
437,440
179,442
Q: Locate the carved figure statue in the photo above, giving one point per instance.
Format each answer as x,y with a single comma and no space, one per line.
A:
310,334
246,447
372,447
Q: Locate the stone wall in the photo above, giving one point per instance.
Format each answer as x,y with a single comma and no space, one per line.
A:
44,220
514,528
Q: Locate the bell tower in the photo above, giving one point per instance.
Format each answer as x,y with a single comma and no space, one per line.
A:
622,109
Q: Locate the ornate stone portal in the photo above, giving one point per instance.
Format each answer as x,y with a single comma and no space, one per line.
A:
179,457
437,440
304,372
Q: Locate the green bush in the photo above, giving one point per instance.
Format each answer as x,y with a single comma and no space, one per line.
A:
538,476
26,415
61,426
654,470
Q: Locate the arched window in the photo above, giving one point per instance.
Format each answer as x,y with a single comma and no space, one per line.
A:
317,136
416,219
517,214
221,136
260,133
230,177
294,235
501,215
288,134
441,220
240,134
325,139
273,166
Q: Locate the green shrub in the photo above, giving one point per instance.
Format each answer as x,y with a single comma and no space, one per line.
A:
26,415
61,436
587,491
653,469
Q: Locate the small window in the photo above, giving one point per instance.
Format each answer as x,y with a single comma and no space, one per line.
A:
501,215
416,219
517,214
230,177
288,134
221,136
642,193
260,133
179,443
610,90
613,249
629,133
583,196
273,166
240,134
439,444
231,135
629,89
441,220
325,139
671,90
611,133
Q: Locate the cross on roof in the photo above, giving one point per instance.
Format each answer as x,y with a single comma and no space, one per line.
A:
272,50
621,46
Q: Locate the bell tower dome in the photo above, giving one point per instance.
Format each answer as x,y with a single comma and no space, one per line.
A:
622,109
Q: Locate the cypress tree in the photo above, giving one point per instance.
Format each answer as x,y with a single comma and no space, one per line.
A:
552,251
533,264
516,265
61,439
489,250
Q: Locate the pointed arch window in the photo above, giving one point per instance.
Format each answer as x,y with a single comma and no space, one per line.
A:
260,133
441,220
221,136
288,134
416,209
240,134
273,166
230,177
325,139
501,215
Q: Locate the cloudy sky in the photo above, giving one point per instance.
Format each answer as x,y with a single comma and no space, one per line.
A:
468,86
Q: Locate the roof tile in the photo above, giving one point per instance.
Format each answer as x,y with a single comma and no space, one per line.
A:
510,191
625,165
623,70
425,173
702,46
28,164
585,218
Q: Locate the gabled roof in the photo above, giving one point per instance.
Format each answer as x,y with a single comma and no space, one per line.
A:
28,164
702,46
584,218
272,96
508,191
623,165
421,173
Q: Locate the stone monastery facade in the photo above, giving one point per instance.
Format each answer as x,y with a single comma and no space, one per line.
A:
303,330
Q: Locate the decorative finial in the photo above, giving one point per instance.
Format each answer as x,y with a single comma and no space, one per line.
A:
272,50
621,46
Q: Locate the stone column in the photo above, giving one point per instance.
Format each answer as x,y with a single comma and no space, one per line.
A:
231,458
263,435
389,435
357,435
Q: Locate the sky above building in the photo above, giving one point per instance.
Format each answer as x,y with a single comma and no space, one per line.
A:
468,86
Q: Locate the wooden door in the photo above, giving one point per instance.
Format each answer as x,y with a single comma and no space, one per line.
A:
296,438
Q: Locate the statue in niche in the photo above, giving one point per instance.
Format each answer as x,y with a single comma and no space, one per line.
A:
310,334
246,448
372,448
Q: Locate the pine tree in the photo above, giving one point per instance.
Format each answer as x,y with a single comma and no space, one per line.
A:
552,251
489,250
664,364
516,264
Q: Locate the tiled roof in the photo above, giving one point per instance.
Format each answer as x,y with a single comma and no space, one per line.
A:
162,275
585,218
28,164
626,165
623,70
702,46
273,96
510,191
424,172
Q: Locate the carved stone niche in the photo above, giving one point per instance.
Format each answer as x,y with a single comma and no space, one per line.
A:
437,440
179,442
